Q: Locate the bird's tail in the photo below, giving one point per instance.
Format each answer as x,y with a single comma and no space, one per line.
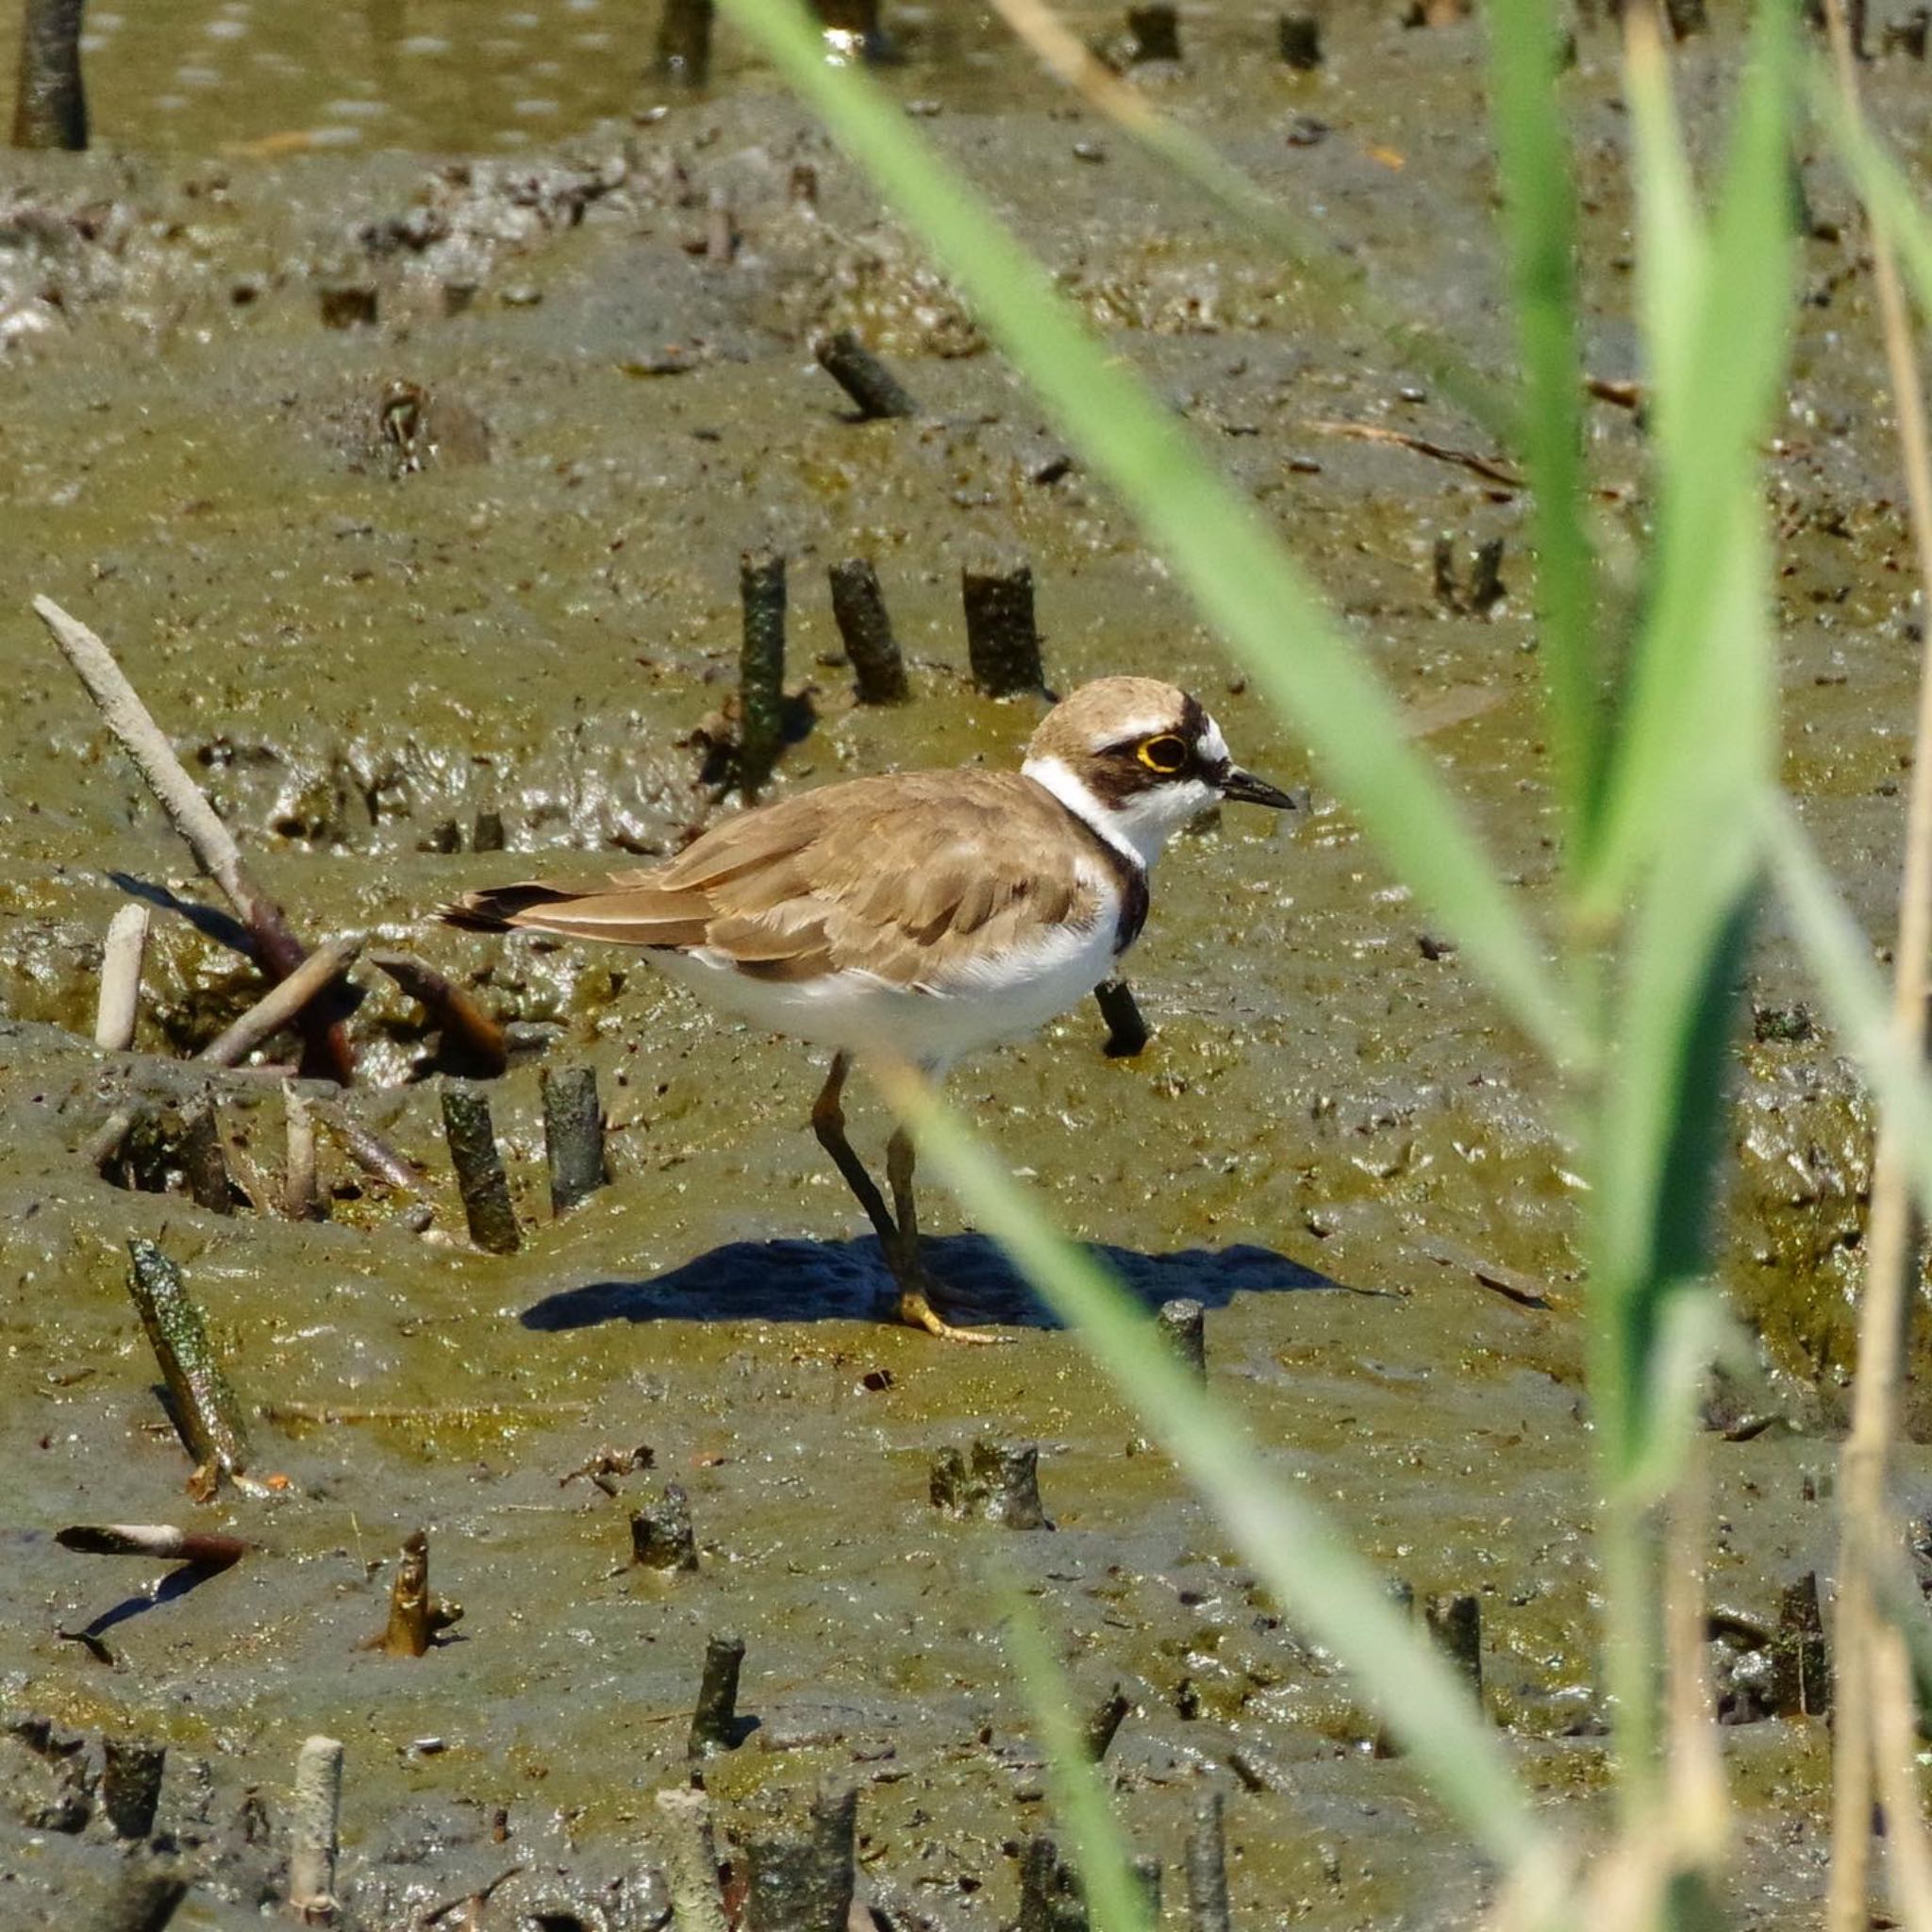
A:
495,908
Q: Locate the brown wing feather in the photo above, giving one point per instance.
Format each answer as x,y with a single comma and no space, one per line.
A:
905,877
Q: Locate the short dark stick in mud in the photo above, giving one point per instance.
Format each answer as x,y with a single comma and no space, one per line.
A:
876,393
207,1413
684,40
473,1041
480,1178
858,608
761,667
715,1724
572,1135
1002,639
800,1871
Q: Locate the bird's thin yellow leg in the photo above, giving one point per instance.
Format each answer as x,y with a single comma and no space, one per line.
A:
828,1124
915,1310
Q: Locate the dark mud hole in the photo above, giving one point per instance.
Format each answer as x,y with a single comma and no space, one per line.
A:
1333,1140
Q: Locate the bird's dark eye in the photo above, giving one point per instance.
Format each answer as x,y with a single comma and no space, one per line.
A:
1166,754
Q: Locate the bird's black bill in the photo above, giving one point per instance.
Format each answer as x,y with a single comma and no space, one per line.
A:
1245,788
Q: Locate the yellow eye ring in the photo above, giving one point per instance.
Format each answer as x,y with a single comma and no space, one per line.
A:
1166,754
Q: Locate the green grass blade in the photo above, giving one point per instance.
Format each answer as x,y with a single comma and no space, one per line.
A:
1115,1902
1217,545
1661,1137
1702,688
1673,249
1854,994
1539,218
1658,1142
1292,1547
1696,1332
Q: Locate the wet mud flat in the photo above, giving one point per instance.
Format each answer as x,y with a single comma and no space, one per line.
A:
410,489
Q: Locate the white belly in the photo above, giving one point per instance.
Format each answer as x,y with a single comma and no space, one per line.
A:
1001,998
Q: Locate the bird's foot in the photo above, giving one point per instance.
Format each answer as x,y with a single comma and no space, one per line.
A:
917,1313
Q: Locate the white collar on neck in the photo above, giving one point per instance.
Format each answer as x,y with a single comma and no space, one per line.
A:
1058,776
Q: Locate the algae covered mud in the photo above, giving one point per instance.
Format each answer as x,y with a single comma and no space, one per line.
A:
398,404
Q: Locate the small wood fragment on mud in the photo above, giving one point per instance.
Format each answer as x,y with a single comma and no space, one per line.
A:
859,609
369,1150
800,1873
203,1406
1526,1291
1207,1865
131,1774
315,1831
993,1482
416,1614
1102,1723
721,227
299,1201
1183,1323
572,1135
715,1724
213,845
480,1178
473,1041
472,1904
199,1548
1454,1619
876,393
1002,634
691,1860
1491,468
684,41
284,1003
203,1159
50,99
661,1534
122,955
1298,40
1154,33
1617,390
761,667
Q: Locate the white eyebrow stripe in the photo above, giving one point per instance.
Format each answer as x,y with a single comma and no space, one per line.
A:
1147,726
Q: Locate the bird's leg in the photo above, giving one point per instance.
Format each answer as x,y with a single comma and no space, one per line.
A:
907,1270
828,1124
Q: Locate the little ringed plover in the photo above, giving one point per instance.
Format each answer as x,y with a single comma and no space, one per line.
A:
922,915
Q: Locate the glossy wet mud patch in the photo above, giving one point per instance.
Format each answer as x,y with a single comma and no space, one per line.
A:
626,1447
414,494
